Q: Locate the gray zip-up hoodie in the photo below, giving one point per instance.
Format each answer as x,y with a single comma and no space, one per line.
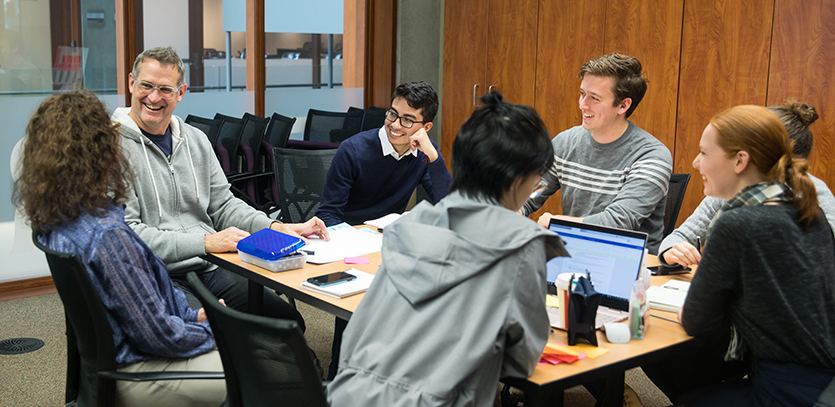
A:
458,302
173,204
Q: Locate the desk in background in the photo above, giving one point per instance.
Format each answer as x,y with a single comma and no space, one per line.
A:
545,386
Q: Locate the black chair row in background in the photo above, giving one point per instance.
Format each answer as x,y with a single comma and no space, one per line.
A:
244,146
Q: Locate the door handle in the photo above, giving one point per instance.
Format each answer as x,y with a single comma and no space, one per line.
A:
474,89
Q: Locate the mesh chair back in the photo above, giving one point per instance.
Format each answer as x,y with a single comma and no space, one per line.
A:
375,117
675,196
89,337
228,139
209,127
300,179
266,360
331,126
251,135
278,132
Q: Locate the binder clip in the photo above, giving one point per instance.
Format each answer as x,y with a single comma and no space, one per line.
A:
582,311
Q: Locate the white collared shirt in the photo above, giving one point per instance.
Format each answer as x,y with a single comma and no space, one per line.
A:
388,149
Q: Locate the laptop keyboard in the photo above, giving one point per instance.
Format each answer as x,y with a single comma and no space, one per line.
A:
606,315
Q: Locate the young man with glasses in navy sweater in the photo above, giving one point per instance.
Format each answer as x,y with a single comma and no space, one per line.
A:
375,172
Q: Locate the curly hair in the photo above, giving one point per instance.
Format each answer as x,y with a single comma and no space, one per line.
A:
72,162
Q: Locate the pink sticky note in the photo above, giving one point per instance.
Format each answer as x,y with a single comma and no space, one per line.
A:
356,260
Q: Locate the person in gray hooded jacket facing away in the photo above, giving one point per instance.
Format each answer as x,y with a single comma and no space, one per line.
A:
459,300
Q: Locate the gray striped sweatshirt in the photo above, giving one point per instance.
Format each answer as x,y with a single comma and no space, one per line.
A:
620,184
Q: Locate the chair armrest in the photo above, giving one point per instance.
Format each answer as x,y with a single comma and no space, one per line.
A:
162,375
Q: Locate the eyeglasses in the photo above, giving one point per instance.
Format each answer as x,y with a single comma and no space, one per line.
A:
404,121
538,189
165,91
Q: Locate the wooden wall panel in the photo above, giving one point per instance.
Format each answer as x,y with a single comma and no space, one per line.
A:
651,32
380,51
353,44
724,62
802,61
569,34
256,69
465,58
511,49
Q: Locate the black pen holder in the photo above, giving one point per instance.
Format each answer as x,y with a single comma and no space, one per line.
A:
582,312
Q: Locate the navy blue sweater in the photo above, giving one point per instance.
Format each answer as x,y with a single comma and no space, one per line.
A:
362,184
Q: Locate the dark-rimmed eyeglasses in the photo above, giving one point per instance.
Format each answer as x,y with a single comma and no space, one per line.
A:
406,122
538,189
165,91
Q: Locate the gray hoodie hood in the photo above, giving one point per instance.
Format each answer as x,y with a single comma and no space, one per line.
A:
449,258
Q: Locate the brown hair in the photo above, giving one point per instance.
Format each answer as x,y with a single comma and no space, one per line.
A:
626,70
72,161
797,117
757,131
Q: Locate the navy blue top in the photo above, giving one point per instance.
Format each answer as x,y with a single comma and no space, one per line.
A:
362,184
163,141
150,318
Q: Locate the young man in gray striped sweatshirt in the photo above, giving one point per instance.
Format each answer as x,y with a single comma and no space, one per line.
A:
610,171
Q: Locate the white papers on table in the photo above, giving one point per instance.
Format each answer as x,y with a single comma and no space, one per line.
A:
343,290
345,242
668,297
384,221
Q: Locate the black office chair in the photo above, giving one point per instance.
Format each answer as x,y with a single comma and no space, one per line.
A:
278,133
209,127
375,117
675,196
332,126
300,179
252,134
91,357
266,360
229,138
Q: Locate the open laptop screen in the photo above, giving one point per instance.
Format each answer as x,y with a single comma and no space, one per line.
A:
612,257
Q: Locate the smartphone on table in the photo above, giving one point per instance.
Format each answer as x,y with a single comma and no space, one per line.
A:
664,269
331,279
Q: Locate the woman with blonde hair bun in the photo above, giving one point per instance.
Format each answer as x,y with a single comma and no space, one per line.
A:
767,272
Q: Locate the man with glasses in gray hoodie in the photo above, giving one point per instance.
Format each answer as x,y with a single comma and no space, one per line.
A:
180,203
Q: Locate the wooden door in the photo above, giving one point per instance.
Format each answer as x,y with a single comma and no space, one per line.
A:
801,67
464,70
650,31
511,49
725,48
569,33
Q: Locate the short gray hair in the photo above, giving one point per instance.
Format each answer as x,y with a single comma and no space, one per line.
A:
166,56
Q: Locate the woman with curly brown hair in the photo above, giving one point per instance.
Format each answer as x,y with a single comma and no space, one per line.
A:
71,186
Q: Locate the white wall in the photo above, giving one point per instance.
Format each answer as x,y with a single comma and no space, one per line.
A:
166,23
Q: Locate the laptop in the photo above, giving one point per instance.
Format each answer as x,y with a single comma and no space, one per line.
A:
613,257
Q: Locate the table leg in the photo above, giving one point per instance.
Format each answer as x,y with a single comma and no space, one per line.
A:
613,395
544,398
256,298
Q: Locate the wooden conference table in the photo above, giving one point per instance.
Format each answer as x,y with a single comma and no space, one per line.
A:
545,386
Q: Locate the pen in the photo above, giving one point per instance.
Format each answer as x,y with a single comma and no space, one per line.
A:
699,244
666,319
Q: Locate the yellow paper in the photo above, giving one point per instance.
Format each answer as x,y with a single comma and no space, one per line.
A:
552,301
